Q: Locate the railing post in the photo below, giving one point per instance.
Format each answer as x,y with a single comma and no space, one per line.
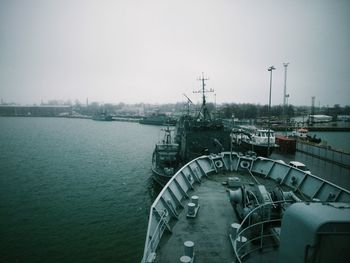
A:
261,236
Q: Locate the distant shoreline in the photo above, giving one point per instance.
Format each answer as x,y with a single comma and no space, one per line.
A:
133,119
122,119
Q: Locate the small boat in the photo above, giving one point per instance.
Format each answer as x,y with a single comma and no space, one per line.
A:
260,141
300,133
103,116
165,159
303,134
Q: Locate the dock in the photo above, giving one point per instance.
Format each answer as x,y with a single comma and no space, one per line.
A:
326,153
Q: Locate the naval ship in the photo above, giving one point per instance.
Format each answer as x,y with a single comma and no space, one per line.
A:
230,207
195,136
201,134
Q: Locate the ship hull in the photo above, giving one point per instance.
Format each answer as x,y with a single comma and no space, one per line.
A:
160,178
158,121
260,150
158,174
203,142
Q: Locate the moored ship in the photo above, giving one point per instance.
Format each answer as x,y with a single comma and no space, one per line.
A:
158,119
260,141
103,116
165,159
229,207
201,134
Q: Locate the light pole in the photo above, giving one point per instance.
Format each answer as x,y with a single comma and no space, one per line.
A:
269,112
285,65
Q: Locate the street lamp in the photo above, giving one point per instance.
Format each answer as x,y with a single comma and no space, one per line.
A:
285,95
269,112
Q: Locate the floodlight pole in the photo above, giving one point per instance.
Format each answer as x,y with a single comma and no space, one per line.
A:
269,112
285,96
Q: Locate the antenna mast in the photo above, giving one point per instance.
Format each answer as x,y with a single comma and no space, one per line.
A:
203,113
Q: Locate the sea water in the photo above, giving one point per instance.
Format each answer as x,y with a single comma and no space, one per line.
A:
74,190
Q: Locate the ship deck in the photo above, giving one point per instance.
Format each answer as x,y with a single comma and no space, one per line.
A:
210,229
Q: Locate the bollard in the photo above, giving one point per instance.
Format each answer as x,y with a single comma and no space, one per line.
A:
189,248
191,209
185,259
234,229
195,199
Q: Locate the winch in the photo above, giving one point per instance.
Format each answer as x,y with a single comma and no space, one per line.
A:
246,197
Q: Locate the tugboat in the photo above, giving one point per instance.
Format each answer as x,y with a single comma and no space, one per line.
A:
165,159
303,134
201,134
260,141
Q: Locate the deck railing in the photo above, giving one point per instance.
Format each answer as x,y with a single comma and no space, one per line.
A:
183,181
260,236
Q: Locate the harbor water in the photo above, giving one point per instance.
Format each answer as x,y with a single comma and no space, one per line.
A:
338,140
74,190
77,190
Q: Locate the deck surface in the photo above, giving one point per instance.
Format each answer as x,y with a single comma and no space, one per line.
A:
209,230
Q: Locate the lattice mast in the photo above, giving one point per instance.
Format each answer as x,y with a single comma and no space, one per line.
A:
204,112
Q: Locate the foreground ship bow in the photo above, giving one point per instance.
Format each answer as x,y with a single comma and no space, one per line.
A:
229,207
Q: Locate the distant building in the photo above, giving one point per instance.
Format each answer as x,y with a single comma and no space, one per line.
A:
320,118
35,111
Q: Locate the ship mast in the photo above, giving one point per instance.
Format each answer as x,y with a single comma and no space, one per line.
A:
189,101
203,113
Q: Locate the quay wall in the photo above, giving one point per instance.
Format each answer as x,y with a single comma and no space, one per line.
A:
316,128
340,158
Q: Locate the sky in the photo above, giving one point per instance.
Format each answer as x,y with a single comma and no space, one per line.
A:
153,51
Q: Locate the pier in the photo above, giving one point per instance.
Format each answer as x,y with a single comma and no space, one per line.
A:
325,153
316,128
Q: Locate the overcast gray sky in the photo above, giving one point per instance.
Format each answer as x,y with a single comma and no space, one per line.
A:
153,51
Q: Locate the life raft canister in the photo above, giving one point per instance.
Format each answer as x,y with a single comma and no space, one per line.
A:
244,164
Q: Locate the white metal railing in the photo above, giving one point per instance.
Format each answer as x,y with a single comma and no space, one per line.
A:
243,232
154,238
155,233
